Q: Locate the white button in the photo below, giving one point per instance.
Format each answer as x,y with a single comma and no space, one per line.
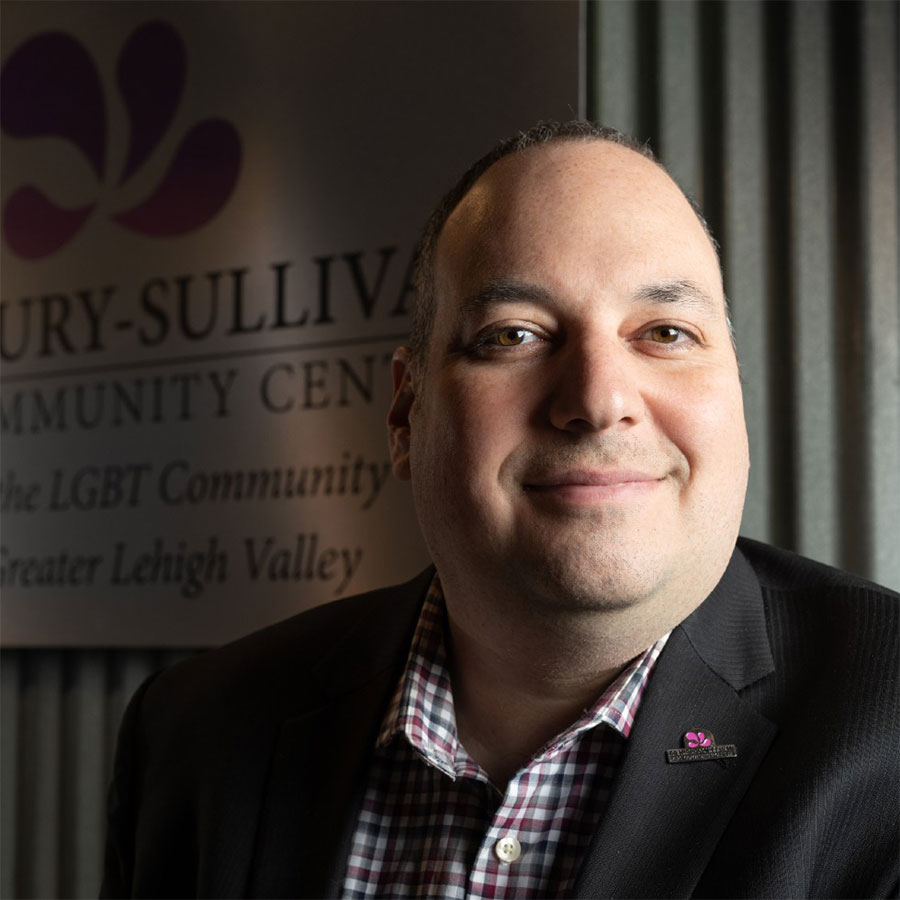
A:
508,849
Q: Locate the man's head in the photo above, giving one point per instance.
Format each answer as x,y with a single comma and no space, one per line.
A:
573,428
542,133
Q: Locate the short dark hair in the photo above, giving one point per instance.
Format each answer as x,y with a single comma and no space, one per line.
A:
542,133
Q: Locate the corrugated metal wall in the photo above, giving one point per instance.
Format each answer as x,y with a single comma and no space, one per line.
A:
60,713
781,118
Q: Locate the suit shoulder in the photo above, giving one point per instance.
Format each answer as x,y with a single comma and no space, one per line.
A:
281,663
782,570
821,619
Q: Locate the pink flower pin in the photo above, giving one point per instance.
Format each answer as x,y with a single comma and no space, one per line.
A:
698,739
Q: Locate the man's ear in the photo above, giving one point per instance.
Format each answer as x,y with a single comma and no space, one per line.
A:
398,414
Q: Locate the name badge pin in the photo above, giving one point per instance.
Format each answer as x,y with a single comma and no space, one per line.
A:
698,746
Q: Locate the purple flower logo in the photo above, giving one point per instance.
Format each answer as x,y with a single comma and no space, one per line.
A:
50,87
698,739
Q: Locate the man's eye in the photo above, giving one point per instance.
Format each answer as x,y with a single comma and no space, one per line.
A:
669,334
513,337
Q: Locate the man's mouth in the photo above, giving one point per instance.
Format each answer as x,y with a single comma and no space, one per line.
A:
586,486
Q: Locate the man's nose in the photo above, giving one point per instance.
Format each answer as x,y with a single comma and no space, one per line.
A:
597,387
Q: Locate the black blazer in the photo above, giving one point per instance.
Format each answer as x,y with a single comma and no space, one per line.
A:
240,772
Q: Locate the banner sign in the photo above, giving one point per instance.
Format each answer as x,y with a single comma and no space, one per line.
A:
209,213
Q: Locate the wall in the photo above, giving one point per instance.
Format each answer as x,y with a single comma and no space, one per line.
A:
195,377
782,120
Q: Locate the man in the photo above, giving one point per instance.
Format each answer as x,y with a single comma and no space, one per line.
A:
596,693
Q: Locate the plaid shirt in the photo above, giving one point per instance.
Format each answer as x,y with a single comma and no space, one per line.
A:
433,825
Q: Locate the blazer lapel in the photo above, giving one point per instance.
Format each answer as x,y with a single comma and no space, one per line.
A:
664,820
320,759
313,785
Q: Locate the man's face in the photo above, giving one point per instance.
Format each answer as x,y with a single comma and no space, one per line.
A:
576,434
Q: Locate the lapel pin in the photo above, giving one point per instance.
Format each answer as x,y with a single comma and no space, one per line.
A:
698,746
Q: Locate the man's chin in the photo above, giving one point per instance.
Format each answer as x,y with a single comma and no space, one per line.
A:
583,580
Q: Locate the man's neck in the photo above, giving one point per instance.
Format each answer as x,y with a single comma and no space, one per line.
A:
507,709
518,684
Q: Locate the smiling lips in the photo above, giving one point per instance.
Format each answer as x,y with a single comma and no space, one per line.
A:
586,486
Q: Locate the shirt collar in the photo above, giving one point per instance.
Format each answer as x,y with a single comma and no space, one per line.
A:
422,705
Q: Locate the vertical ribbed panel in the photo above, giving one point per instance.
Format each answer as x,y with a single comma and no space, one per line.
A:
10,783
781,118
679,87
60,715
85,743
40,767
613,64
881,273
815,339
745,256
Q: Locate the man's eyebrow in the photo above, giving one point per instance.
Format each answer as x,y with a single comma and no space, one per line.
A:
508,291
684,293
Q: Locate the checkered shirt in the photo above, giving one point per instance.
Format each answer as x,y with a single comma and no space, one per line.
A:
431,819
